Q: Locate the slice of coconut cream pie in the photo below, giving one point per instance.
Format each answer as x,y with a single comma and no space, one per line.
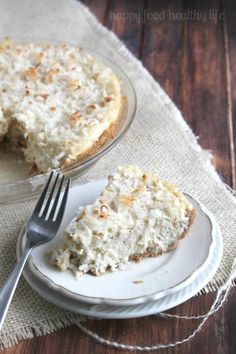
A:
137,215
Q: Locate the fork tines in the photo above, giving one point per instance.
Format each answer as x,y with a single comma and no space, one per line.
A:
49,208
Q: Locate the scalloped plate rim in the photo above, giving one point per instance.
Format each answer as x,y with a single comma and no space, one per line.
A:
132,300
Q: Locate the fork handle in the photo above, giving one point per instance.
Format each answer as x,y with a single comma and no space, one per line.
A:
8,289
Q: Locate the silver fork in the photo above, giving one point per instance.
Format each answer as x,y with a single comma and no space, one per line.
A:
41,227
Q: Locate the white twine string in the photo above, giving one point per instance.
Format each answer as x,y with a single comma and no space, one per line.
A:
217,304
217,307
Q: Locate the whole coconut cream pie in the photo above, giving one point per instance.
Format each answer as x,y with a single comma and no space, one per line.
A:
137,215
57,103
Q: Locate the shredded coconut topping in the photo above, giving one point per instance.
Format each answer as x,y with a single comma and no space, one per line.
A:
137,215
59,99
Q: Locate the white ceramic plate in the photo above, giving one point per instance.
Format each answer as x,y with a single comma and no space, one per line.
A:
159,276
119,312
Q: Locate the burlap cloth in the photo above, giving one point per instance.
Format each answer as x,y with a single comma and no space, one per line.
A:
159,140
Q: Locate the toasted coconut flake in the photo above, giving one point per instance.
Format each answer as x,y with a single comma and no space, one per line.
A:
106,100
31,73
39,57
49,75
126,199
75,117
90,108
138,190
74,84
43,95
95,77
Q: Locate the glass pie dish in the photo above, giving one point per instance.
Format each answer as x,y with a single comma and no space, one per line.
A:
17,185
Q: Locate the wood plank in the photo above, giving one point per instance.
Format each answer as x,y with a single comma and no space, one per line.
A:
125,18
162,50
230,35
183,55
98,8
204,96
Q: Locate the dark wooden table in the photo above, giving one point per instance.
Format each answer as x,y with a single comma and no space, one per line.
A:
189,47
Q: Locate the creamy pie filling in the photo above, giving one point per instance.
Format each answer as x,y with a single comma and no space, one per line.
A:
137,215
